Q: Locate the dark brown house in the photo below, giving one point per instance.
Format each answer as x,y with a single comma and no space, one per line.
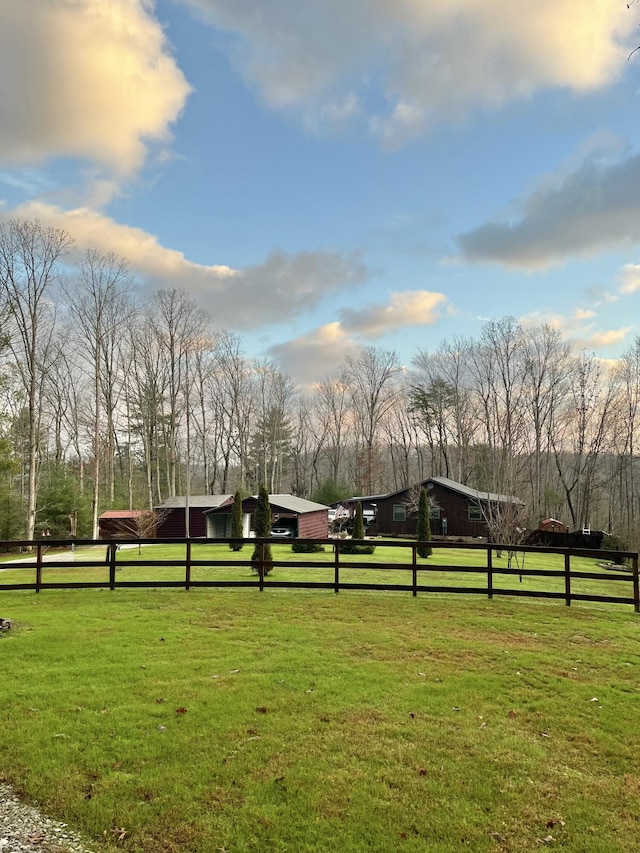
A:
305,519
171,515
454,509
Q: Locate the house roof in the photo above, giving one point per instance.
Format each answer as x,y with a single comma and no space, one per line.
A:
195,501
122,513
475,494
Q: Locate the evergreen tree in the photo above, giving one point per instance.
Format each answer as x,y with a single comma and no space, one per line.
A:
424,527
236,521
262,528
358,523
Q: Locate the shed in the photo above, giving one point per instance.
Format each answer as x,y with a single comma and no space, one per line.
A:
171,514
306,519
126,523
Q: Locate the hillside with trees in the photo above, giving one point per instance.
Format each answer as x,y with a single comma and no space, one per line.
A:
115,400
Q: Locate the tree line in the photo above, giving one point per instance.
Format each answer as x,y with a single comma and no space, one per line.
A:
115,401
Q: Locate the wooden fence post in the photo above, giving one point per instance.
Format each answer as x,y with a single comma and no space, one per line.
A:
336,567
414,556
112,565
38,567
636,585
261,567
567,579
187,572
489,571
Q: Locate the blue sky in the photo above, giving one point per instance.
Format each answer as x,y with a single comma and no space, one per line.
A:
327,176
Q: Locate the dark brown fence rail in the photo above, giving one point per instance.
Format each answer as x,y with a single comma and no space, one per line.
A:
29,571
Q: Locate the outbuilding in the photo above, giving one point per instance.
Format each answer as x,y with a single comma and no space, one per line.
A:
305,519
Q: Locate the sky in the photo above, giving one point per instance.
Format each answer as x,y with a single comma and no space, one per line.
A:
324,175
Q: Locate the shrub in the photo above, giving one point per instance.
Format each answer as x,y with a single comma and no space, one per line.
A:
307,548
611,542
348,548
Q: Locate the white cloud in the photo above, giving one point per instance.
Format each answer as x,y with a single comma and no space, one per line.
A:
630,278
275,291
85,78
579,328
429,61
324,351
595,207
407,308
318,354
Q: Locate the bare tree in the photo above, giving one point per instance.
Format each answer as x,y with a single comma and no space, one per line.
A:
100,303
371,377
29,256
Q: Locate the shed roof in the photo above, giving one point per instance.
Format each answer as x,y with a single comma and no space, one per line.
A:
289,503
196,501
122,513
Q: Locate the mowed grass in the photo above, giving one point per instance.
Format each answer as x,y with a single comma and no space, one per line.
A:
447,567
289,720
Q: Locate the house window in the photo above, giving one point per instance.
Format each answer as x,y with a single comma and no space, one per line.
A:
399,512
434,512
475,513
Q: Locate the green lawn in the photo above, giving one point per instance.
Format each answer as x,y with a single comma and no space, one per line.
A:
292,720
445,568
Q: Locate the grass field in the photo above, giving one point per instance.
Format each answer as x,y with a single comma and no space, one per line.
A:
234,720
445,568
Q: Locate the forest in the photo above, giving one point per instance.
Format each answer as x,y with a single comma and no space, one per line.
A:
112,399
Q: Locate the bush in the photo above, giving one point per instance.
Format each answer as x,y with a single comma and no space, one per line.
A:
611,542
263,529
348,548
307,548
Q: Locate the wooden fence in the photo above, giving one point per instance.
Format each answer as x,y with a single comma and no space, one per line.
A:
46,556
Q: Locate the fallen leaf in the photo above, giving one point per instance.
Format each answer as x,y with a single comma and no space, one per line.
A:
423,772
234,671
544,734
513,715
261,709
181,710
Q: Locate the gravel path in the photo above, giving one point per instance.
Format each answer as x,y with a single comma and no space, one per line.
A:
24,829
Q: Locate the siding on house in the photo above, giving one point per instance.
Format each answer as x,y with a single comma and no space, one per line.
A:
454,509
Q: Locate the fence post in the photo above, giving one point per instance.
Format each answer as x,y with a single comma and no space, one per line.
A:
336,567
38,567
112,565
567,579
261,567
636,585
489,571
187,574
414,554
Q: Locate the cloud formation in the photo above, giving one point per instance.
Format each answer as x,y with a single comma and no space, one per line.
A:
594,208
324,351
406,308
275,291
579,328
89,79
427,61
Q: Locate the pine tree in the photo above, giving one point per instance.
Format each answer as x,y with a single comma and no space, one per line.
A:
424,527
358,522
236,521
262,528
